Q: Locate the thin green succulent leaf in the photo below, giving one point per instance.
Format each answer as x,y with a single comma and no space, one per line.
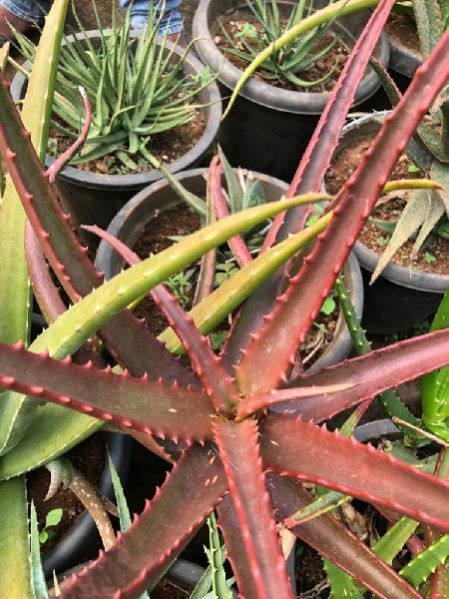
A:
203,586
436,209
341,7
39,583
217,555
389,399
120,499
342,586
322,504
192,200
425,563
122,505
391,543
429,24
385,226
412,218
233,187
15,296
435,386
15,565
218,305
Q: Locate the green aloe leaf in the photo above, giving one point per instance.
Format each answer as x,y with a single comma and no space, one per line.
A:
15,565
425,563
412,218
15,296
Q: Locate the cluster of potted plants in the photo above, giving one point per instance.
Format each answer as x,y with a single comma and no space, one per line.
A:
215,324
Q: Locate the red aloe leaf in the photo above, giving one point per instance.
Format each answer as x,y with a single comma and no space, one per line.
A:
317,157
157,536
140,404
62,160
217,383
236,244
439,584
336,543
364,377
264,401
127,339
257,371
266,576
45,291
307,452
206,275
310,174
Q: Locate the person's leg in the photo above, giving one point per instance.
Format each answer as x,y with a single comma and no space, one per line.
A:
171,22
21,14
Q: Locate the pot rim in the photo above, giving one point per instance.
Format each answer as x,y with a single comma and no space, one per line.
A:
213,109
259,92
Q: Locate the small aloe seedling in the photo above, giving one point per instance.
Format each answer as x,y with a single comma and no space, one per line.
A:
290,63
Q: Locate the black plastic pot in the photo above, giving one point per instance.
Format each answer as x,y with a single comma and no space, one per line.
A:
375,430
269,128
130,222
82,535
92,198
401,297
403,60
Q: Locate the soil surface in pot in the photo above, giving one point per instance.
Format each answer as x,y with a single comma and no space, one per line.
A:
168,590
235,24
182,221
403,29
166,147
433,256
89,458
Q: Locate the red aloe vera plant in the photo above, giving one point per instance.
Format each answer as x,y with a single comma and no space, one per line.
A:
233,454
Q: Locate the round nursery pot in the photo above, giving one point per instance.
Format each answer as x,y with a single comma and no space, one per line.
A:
401,297
130,222
92,198
83,535
268,128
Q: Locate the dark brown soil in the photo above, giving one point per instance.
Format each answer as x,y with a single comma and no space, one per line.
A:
310,575
167,590
89,457
182,221
371,236
155,239
403,29
335,58
166,147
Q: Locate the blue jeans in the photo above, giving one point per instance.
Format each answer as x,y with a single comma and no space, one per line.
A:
34,10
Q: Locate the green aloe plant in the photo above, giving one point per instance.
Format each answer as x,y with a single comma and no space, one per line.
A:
136,85
272,19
